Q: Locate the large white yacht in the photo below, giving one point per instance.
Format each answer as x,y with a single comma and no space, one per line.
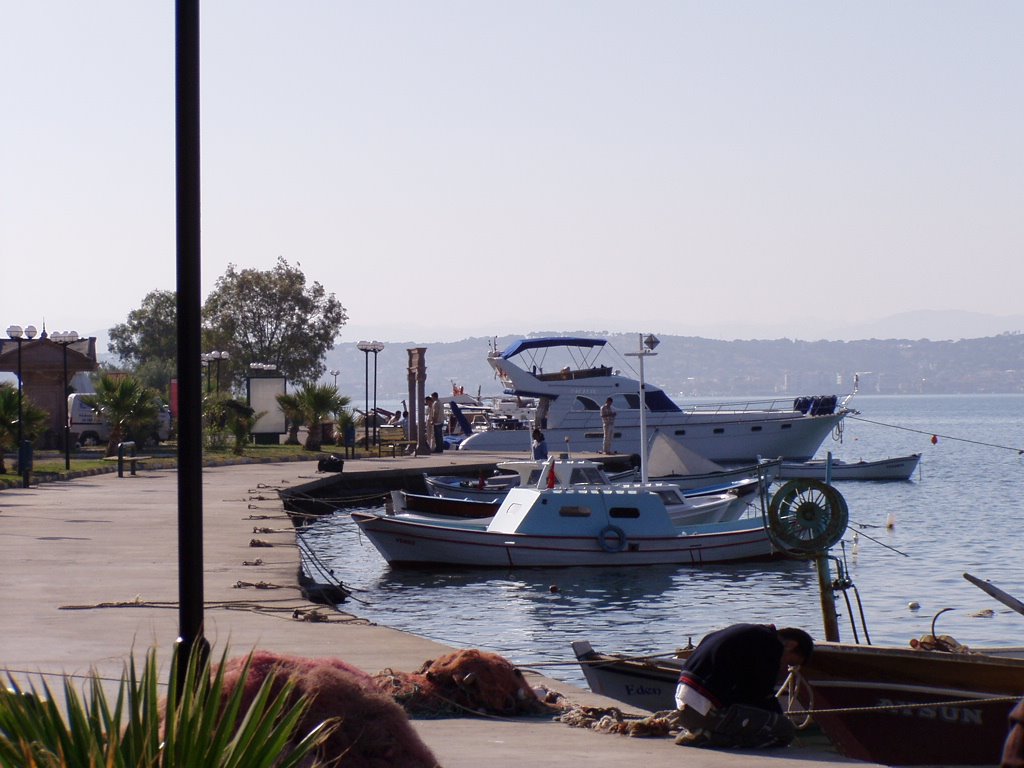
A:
570,394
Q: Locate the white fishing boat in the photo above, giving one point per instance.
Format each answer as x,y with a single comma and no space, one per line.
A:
583,472
670,461
895,468
572,525
569,394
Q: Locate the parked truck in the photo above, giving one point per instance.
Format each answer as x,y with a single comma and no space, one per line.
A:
88,427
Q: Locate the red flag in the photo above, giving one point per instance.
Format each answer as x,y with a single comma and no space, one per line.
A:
551,476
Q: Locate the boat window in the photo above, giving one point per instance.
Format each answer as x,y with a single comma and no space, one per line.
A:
680,432
755,429
588,475
587,403
629,513
787,426
669,497
633,401
574,511
657,400
534,477
719,430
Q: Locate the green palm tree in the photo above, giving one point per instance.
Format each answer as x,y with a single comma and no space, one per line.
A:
239,419
318,402
292,410
126,403
34,420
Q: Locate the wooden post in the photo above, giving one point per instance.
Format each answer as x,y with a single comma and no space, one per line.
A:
828,598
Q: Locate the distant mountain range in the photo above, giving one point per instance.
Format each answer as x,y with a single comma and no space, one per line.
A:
935,325
923,351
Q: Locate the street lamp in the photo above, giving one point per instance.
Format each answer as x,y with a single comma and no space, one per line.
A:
16,332
209,358
366,347
64,338
334,372
647,346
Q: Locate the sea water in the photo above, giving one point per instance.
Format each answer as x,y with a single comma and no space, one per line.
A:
908,544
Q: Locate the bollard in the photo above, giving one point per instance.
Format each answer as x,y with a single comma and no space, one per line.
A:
121,447
25,462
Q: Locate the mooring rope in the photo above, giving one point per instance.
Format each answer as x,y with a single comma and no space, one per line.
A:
1019,451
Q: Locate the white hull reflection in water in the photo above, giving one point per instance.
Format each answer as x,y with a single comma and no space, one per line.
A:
957,515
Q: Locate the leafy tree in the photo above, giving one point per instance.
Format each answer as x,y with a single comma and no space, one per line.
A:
127,404
34,418
272,316
157,374
150,333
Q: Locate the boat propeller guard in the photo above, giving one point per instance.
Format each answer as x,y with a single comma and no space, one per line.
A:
806,517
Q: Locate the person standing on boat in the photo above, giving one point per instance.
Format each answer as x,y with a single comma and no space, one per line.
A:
437,421
726,692
540,446
608,421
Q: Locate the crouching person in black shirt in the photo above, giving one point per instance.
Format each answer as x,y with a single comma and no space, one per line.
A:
726,692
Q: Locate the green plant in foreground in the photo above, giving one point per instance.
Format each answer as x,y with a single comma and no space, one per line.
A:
199,725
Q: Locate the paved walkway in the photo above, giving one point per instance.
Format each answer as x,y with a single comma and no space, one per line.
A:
90,574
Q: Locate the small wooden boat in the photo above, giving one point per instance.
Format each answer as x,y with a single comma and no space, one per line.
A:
441,506
897,468
882,704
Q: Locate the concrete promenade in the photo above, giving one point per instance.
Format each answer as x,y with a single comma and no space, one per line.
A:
90,573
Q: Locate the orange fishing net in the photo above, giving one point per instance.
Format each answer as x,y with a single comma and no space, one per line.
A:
462,681
373,731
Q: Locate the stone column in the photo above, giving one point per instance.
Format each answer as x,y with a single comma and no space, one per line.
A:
417,393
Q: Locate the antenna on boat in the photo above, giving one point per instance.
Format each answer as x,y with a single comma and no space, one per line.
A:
647,345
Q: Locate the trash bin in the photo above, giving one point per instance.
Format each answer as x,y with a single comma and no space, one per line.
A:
25,456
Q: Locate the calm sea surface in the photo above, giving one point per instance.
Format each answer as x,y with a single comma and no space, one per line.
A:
960,513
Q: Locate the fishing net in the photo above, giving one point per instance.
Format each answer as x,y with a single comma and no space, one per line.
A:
612,720
373,731
467,680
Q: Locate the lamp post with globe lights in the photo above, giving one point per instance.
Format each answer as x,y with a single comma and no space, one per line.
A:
213,357
64,338
366,347
15,332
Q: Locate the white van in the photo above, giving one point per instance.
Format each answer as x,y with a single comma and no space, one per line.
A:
87,427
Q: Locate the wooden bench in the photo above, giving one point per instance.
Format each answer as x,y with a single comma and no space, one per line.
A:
132,461
393,437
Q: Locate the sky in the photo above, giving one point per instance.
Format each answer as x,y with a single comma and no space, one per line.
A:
451,169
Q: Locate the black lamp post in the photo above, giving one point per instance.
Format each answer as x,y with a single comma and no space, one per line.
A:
366,347
209,358
16,333
64,338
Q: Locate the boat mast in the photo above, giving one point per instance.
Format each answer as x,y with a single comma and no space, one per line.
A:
647,346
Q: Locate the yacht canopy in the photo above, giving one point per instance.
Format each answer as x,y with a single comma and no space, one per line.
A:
524,345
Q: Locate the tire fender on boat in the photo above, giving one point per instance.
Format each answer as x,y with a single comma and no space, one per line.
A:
612,539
